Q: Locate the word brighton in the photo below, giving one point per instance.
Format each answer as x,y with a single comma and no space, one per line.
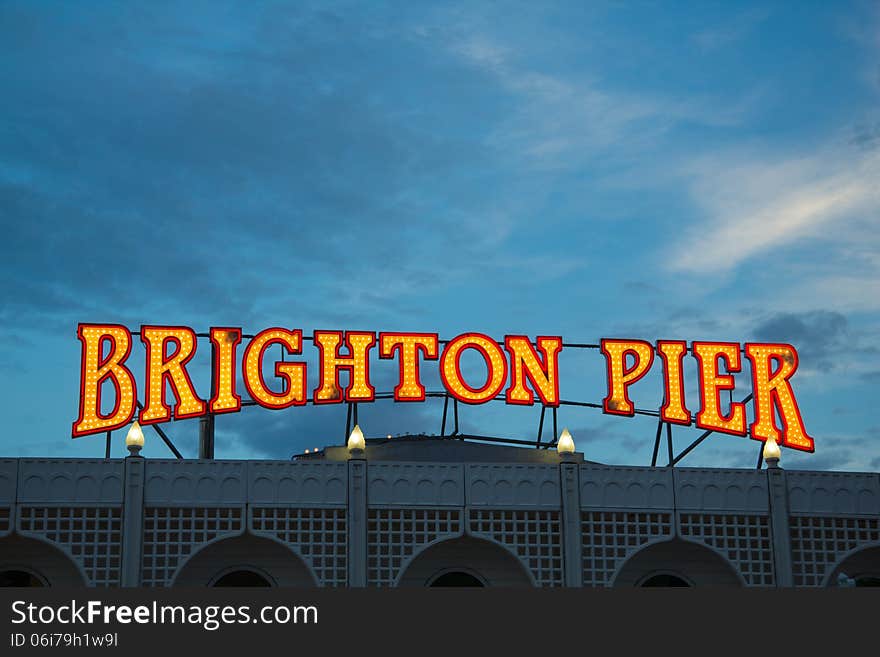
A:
530,371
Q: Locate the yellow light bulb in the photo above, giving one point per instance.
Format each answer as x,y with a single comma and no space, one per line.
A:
771,450
134,437
566,443
356,439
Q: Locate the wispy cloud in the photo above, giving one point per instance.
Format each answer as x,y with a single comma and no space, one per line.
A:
732,31
751,207
559,122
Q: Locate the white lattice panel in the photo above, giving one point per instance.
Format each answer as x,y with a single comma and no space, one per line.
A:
5,520
90,535
818,542
743,539
609,537
394,535
535,536
173,533
318,535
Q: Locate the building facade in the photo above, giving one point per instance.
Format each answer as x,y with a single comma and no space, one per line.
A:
430,512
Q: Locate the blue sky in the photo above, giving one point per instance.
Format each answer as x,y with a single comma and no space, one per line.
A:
647,170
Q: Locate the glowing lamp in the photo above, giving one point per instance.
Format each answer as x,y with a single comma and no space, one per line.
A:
134,439
356,442
771,453
565,444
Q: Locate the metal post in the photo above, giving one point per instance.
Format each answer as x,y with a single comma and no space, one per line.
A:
657,443
669,444
780,529
347,424
206,422
132,521
571,524
445,407
541,426
107,448
357,521
206,436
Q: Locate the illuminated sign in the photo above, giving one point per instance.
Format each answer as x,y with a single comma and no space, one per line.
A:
525,371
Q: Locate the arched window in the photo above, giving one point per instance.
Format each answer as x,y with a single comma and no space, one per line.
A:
860,568
456,578
242,578
20,578
665,579
463,561
676,563
266,563
868,580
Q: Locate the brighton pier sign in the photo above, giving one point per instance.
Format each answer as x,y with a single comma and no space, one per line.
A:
526,371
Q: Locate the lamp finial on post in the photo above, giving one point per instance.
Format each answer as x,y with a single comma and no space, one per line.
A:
357,445
134,439
772,453
565,445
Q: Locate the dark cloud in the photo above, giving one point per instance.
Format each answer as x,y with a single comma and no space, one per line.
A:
642,288
818,335
866,136
870,377
614,440
170,172
280,434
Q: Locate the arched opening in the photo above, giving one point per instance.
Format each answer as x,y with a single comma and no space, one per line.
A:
862,568
691,563
665,580
20,579
241,578
30,562
465,561
245,561
456,578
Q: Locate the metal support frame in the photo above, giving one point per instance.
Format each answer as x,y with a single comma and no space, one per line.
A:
206,428
539,442
555,430
206,422
541,427
656,444
673,460
445,412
